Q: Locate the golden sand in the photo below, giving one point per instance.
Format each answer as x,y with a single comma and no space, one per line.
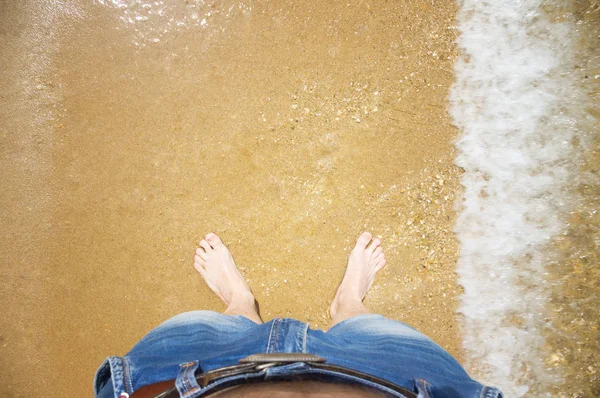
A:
286,128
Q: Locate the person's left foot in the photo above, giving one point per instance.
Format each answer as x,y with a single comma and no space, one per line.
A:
214,262
365,260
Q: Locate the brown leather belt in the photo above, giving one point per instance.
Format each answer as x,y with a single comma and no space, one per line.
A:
257,363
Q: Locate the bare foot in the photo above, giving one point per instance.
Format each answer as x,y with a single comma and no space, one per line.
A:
363,263
214,262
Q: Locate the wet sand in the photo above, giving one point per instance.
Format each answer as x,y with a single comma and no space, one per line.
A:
572,334
285,128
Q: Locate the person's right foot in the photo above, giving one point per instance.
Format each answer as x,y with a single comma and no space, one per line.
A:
363,263
214,262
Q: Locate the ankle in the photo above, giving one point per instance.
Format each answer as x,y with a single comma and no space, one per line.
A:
245,306
243,300
345,300
348,297
346,307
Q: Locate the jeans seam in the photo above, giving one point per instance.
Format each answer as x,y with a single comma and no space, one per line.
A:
270,335
304,337
127,377
276,335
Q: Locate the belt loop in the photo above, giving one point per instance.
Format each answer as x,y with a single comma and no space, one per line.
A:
114,370
423,388
186,380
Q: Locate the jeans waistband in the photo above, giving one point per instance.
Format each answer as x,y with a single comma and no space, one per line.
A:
277,367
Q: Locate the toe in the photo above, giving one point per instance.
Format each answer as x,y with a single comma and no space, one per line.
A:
363,240
199,263
378,251
214,240
374,244
380,265
206,246
201,253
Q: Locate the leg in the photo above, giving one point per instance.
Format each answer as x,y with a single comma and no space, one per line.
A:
363,263
214,262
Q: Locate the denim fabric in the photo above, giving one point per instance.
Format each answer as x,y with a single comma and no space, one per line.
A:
204,340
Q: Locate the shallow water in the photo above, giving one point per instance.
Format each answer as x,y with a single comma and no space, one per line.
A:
131,129
526,102
572,331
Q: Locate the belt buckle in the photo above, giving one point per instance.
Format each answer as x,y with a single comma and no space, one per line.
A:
282,358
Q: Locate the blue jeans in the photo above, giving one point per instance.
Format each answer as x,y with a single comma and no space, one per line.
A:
204,340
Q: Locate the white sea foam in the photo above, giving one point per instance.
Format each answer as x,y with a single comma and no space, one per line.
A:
515,103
